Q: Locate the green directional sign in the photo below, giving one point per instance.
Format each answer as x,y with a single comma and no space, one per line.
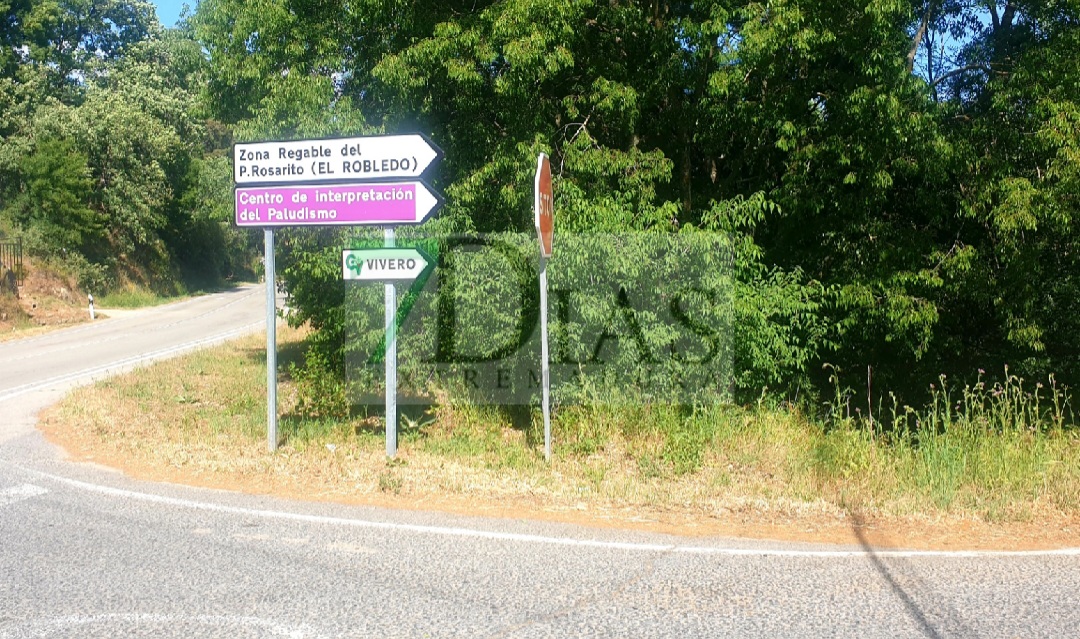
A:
383,264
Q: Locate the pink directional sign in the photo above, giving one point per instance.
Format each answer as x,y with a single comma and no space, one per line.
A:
335,204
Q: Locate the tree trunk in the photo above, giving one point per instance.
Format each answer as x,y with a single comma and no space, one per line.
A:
920,33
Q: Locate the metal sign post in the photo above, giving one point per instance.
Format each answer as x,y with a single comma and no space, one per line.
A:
545,367
388,264
391,354
543,207
271,341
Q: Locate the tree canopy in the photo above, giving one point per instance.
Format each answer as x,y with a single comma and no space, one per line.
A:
105,145
897,179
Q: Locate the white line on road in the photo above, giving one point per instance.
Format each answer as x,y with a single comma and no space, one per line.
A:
19,493
130,361
541,539
122,623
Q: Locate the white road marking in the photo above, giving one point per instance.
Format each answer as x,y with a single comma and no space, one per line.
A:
541,539
353,549
19,493
130,361
47,627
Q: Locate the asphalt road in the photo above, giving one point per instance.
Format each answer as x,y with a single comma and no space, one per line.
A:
86,552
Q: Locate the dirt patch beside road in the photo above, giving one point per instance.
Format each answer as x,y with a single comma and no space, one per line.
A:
44,300
812,524
200,420
425,483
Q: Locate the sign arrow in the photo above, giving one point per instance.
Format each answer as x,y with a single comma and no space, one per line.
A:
383,264
333,159
376,204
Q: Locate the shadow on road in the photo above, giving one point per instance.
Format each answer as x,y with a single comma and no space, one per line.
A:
917,611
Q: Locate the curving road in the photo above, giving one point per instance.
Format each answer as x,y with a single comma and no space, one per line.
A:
86,552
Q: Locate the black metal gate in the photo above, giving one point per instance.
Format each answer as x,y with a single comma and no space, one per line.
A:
11,258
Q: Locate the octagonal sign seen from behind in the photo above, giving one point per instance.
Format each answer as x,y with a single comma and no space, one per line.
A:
544,205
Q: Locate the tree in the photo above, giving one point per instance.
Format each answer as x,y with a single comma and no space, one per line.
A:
613,91
890,174
100,76
1013,286
54,200
72,39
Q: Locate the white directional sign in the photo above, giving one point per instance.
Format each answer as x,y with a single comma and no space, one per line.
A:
383,264
333,160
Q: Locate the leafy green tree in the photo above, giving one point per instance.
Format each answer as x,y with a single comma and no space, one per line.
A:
103,78
896,179
54,198
811,104
13,36
1011,105
73,38
613,91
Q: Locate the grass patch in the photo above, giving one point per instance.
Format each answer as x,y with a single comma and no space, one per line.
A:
1000,452
12,315
205,414
133,297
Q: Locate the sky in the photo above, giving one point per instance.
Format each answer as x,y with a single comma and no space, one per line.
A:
168,11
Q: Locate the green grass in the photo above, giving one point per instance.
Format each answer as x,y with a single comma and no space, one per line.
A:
999,452
140,297
133,298
995,450
486,435
992,451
